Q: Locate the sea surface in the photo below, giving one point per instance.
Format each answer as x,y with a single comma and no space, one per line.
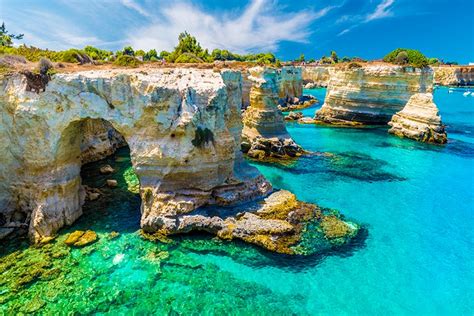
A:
415,200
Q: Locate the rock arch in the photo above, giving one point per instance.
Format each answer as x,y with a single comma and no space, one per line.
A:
159,113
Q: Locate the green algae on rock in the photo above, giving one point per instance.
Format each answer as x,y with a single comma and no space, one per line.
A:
80,238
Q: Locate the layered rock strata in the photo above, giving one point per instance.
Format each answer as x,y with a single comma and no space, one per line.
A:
419,120
264,134
454,75
183,127
315,76
371,94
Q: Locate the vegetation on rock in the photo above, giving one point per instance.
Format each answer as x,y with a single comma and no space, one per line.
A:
404,56
127,61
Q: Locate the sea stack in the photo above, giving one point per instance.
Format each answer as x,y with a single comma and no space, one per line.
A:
370,94
419,120
264,134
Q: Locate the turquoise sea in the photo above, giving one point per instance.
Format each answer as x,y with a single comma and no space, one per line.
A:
416,202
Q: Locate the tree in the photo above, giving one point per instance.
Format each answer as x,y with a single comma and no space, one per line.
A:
415,57
345,59
300,59
334,57
151,55
7,39
140,52
128,50
402,58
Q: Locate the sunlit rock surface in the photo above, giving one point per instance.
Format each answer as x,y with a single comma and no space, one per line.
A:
419,120
183,128
315,76
454,75
371,94
264,134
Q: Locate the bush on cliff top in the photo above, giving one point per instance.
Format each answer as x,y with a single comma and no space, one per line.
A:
127,61
415,57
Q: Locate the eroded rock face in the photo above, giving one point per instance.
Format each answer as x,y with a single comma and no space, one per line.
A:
159,113
264,134
290,83
100,139
315,76
371,94
454,75
183,127
279,223
419,120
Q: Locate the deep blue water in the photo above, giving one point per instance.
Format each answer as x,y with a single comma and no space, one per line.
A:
417,258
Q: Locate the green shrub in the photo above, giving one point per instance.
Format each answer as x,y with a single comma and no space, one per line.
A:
75,56
128,50
127,61
402,58
415,57
188,58
97,53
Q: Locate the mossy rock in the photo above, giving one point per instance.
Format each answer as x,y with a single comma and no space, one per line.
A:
81,238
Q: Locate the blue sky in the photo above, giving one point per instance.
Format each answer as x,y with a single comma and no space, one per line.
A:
364,28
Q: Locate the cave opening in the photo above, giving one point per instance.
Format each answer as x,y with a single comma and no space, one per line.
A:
112,199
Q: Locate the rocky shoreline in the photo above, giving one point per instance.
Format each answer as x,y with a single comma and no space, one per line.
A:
184,129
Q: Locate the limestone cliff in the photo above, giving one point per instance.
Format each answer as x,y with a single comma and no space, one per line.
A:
290,83
183,127
315,76
371,94
454,75
264,134
419,120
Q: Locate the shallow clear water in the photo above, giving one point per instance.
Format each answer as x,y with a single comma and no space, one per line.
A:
416,201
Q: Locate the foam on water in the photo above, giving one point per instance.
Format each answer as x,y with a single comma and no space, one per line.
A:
416,256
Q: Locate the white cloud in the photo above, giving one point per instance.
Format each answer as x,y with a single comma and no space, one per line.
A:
381,11
135,6
261,26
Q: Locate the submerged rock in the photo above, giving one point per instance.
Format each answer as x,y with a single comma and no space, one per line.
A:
81,238
279,223
107,169
112,183
419,120
293,116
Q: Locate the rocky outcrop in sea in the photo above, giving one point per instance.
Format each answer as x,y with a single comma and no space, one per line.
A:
419,120
264,134
370,94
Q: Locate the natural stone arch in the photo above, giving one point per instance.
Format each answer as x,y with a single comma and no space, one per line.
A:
161,114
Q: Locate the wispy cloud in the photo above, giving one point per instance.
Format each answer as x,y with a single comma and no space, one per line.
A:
383,10
131,4
261,26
